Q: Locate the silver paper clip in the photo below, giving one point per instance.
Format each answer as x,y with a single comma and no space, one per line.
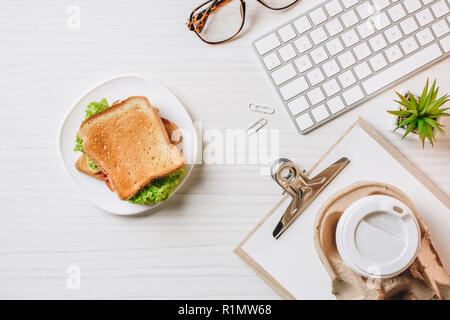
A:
302,189
256,126
261,109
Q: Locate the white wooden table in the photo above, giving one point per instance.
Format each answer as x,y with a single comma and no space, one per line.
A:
185,249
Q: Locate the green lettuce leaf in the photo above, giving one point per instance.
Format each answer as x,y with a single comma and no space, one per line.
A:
96,107
159,189
94,168
78,144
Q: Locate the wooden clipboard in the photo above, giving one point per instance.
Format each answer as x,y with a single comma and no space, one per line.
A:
276,276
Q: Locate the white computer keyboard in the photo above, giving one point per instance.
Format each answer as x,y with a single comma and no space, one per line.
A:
339,54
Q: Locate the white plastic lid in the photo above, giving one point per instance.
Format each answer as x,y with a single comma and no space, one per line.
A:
378,237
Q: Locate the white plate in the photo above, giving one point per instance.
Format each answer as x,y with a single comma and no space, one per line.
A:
114,89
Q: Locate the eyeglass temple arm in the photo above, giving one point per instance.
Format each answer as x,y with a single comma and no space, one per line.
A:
201,17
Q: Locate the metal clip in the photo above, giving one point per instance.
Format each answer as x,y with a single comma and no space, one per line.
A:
302,189
256,126
261,109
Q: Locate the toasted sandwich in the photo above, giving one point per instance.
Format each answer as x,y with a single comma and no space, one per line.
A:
130,145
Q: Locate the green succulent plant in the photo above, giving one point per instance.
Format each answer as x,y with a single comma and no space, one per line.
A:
421,114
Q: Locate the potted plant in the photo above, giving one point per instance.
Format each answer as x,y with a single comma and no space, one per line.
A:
420,115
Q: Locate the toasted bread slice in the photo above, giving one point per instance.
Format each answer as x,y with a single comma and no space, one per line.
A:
129,144
172,131
81,165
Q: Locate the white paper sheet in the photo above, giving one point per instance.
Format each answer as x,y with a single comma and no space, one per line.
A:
292,260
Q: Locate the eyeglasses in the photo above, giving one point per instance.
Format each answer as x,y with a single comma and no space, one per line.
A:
216,26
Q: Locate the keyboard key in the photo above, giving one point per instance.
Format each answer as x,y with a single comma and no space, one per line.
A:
298,105
349,3
362,51
350,38
333,8
303,63
365,29
402,68
378,62
271,61
353,95
318,35
377,43
335,105
393,34
425,2
365,10
408,25
331,68
347,79
439,9
315,96
317,16
331,87
320,113
334,46
287,33
409,45
424,36
381,21
318,55
304,121
424,17
293,88
346,59
303,44
334,27
283,74
380,4
396,12
445,43
349,18
287,52
302,24
440,28
315,76
267,43
393,53
412,5
362,70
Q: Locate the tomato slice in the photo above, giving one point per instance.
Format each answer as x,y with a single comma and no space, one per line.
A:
105,178
109,184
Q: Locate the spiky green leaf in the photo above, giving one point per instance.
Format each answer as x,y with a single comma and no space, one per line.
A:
423,96
436,104
429,134
400,113
428,98
406,121
433,123
411,127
